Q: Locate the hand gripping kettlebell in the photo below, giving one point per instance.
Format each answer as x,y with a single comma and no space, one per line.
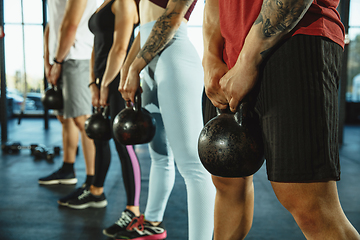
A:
98,126
53,98
231,145
134,124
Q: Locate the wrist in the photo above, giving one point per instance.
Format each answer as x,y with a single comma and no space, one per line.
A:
250,59
104,83
57,61
137,65
92,84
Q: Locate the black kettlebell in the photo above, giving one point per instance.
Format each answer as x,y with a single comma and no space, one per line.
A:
230,145
134,124
98,126
53,98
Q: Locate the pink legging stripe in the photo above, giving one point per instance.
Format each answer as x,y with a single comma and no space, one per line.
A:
137,174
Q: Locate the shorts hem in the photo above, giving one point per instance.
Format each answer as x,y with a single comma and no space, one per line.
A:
304,179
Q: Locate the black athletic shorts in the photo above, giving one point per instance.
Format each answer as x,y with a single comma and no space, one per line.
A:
297,102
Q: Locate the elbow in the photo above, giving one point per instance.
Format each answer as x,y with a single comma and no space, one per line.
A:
119,52
68,28
173,21
177,22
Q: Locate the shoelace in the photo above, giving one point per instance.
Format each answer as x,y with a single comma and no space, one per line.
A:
137,222
84,194
124,220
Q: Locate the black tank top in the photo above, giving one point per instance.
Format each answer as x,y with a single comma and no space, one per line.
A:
102,24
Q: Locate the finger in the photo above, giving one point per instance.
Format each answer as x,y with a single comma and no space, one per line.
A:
95,102
218,104
233,104
121,86
103,101
132,97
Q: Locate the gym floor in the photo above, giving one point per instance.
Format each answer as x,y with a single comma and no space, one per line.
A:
30,211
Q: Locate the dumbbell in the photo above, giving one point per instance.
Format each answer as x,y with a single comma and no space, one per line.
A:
57,150
41,152
11,148
15,147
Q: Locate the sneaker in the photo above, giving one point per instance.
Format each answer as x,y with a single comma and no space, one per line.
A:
59,177
64,201
86,199
121,224
140,229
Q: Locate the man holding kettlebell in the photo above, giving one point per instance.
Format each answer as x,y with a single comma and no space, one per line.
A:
67,52
287,54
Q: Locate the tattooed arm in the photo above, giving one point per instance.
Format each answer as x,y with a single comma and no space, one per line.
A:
163,31
276,19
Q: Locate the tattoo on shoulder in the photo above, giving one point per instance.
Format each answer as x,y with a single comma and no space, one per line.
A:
277,16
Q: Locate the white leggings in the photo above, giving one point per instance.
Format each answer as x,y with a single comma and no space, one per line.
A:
172,92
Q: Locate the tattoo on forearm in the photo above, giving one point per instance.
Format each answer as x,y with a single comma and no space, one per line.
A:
162,32
278,16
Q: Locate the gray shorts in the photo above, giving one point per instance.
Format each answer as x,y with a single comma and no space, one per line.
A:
74,82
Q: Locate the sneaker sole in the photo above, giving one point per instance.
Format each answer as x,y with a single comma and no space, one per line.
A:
107,234
59,181
62,203
159,236
100,204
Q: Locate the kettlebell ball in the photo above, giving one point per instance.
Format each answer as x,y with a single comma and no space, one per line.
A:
134,124
231,145
53,98
98,126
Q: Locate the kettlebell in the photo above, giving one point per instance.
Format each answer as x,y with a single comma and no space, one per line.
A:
134,124
53,98
231,145
98,126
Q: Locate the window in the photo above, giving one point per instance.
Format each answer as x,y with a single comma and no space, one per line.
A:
195,27
353,87
24,53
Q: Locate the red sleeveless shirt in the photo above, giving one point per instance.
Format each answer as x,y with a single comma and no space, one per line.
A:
237,16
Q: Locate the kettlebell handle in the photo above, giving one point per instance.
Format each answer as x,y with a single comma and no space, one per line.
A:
242,111
55,87
243,106
103,110
225,110
137,104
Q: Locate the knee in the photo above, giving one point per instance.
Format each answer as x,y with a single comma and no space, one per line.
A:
305,208
80,122
237,186
308,217
61,119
